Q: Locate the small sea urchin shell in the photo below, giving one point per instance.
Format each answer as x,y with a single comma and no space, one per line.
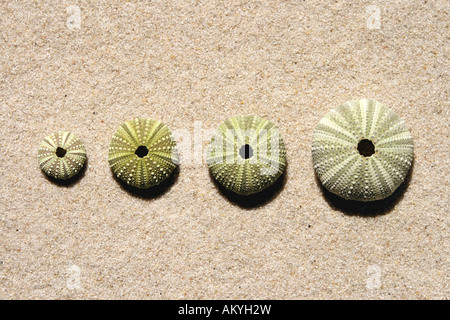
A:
61,155
246,154
142,152
362,150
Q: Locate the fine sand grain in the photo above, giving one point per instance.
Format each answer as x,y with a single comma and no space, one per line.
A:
87,67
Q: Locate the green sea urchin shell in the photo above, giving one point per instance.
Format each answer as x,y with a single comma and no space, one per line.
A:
246,154
143,153
362,150
61,155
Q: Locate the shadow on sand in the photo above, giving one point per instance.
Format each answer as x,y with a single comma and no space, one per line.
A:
152,192
68,183
366,209
254,200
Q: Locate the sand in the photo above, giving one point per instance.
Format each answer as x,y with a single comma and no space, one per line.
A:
87,66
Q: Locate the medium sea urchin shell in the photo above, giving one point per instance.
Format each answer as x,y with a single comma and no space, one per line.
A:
61,155
362,150
142,152
246,154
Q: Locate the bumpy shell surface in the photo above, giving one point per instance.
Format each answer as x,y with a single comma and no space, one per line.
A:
61,155
148,168
338,162
246,154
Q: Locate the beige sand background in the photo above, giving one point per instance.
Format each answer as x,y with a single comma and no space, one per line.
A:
87,66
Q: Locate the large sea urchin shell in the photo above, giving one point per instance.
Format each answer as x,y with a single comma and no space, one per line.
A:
61,155
143,153
246,154
362,150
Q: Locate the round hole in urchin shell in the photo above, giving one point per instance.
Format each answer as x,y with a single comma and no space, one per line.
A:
246,151
366,148
60,152
141,151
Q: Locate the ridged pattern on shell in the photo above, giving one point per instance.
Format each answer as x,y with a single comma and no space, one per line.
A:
246,175
61,167
340,166
156,165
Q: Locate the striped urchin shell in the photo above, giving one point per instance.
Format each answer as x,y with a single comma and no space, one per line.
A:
246,154
143,153
362,150
61,155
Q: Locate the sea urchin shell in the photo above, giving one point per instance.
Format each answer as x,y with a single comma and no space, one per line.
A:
246,154
61,155
142,152
362,150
